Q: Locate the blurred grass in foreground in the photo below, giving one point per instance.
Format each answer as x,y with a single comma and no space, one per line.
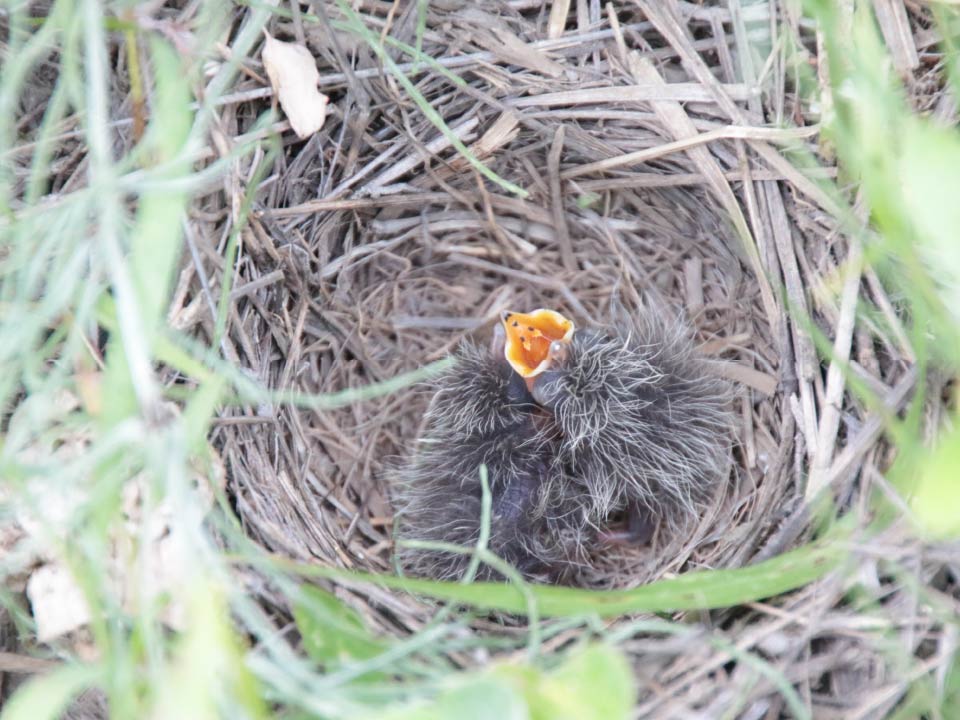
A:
83,260
908,170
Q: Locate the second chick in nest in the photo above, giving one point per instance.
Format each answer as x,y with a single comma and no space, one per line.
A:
644,423
575,428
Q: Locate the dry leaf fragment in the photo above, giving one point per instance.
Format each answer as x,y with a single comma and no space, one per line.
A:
148,562
293,75
58,603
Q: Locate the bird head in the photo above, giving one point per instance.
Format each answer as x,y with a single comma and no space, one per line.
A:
535,341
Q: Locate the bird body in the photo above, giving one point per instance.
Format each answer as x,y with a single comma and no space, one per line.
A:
596,423
641,417
482,415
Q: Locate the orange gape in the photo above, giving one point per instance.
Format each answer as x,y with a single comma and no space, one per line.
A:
529,336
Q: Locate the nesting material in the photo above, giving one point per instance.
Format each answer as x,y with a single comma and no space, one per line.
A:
424,280
374,248
623,425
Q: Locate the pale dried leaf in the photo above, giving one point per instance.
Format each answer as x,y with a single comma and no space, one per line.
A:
293,74
148,560
57,601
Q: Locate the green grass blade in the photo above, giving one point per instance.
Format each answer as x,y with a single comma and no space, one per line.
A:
703,589
156,236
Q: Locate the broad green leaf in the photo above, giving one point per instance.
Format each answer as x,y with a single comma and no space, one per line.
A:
593,684
927,699
207,676
484,697
333,633
930,175
936,499
950,703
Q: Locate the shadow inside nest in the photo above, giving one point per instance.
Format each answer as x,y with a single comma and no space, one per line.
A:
370,293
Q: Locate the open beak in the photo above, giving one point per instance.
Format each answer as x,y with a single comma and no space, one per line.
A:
529,338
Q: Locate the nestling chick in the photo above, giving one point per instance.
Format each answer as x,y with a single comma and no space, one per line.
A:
575,428
644,423
483,414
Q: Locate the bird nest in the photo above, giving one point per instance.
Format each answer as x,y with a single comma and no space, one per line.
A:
375,247
655,183
646,138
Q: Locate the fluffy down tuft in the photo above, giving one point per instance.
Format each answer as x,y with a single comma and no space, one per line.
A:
643,420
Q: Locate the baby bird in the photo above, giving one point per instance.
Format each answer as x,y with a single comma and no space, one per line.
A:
576,428
645,425
483,414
